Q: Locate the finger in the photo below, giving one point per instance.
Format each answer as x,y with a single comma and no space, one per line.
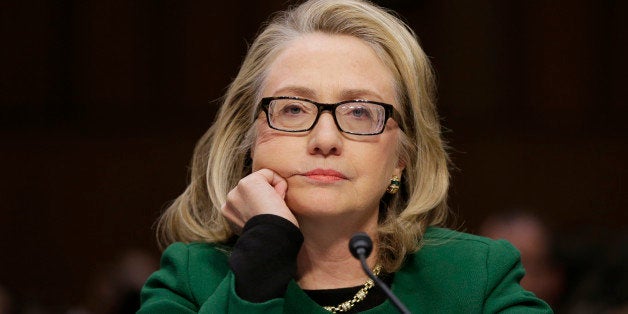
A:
281,188
280,185
275,180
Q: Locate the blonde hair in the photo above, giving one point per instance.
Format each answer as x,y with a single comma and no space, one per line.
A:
221,157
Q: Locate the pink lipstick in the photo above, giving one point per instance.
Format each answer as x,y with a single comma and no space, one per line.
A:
325,175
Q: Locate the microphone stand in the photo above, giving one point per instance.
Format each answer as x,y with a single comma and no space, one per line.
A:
361,248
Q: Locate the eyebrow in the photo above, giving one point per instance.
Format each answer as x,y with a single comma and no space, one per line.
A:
309,93
296,91
360,94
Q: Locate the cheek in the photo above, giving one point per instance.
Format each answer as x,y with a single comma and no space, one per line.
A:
376,163
259,147
389,152
270,151
264,135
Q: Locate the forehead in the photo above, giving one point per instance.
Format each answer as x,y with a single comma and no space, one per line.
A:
329,68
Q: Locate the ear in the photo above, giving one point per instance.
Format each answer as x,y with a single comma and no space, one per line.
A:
401,165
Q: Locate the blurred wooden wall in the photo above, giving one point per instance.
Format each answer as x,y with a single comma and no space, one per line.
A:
101,103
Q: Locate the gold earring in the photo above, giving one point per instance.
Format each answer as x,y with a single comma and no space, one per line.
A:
394,185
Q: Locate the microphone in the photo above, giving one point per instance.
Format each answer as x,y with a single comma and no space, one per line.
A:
361,247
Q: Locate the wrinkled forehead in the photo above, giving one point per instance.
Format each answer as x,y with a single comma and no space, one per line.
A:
329,68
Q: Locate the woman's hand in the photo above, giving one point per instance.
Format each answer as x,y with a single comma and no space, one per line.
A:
261,192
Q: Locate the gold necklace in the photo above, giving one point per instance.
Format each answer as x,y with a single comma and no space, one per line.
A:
359,296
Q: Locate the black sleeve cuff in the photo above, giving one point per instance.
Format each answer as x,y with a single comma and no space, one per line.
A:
265,256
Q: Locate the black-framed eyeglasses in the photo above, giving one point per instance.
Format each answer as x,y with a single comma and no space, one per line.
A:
359,117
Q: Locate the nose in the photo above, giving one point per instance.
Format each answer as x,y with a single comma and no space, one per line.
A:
325,138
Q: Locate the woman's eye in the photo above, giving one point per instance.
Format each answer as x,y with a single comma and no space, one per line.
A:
292,109
359,112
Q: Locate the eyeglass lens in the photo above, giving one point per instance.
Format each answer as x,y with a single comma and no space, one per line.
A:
353,117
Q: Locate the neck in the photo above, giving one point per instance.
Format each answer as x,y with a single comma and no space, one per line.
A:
325,261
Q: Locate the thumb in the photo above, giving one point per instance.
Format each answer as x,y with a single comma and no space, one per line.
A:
281,187
276,181
279,184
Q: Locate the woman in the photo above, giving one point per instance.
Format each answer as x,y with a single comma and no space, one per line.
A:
328,129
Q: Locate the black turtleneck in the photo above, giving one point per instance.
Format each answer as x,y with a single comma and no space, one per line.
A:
264,260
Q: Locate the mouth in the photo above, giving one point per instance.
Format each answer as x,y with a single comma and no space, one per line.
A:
325,175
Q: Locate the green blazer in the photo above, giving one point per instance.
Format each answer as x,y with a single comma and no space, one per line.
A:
452,273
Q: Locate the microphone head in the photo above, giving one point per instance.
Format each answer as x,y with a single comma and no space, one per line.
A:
360,244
